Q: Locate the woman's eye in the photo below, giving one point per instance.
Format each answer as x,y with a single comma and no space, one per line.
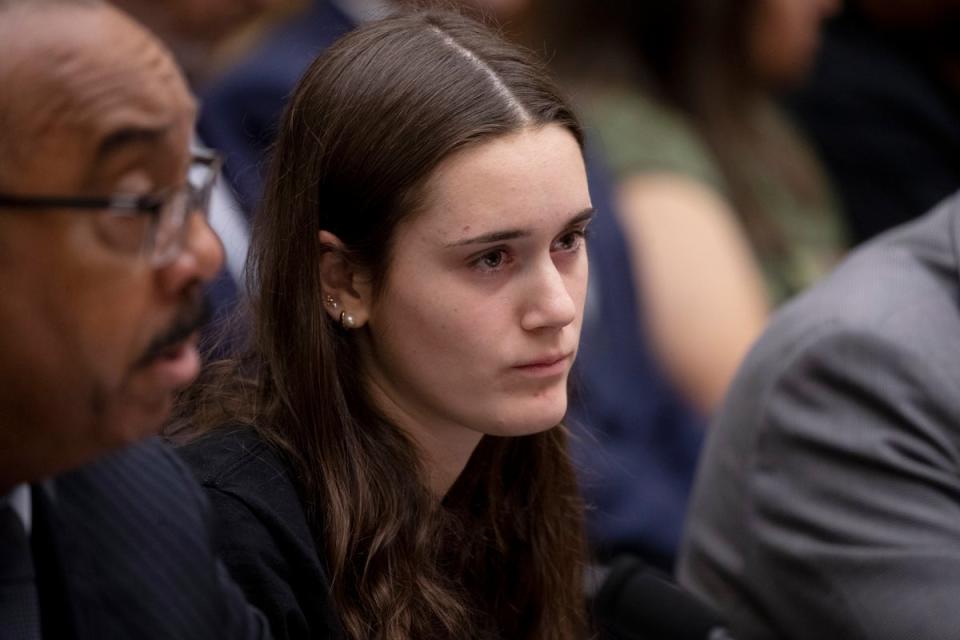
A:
569,241
491,260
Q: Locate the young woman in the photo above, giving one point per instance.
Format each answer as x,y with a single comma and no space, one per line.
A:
388,459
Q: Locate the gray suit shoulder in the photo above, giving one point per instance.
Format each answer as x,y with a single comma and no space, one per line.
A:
884,286
836,445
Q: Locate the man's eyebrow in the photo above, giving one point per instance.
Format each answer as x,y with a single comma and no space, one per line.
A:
127,136
513,234
123,138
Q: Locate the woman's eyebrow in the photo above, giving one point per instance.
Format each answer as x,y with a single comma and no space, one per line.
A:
584,216
513,234
494,236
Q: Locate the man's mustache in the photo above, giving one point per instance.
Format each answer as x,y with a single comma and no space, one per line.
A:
188,321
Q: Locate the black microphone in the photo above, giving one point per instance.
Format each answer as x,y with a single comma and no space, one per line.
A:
631,601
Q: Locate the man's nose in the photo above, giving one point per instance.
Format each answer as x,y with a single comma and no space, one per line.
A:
200,259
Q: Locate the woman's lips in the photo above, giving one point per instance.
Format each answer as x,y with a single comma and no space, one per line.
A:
547,366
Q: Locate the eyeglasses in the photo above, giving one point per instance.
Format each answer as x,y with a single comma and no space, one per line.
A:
154,224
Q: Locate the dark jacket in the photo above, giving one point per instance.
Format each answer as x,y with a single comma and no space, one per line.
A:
123,550
884,122
262,533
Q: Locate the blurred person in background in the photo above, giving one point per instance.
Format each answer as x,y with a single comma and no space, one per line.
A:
104,250
723,213
726,211
206,35
635,437
388,459
883,108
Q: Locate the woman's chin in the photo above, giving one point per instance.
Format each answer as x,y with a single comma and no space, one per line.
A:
533,418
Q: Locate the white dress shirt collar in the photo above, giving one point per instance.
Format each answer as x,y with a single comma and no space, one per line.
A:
19,501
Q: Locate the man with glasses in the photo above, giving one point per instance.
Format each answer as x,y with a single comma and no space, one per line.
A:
104,251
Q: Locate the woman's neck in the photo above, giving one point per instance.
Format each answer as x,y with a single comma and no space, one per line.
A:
443,448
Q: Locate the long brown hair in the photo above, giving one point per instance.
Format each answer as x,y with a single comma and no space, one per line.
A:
502,556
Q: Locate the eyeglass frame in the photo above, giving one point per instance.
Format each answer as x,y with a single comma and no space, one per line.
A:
148,204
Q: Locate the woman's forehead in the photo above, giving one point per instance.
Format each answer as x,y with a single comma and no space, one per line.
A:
529,178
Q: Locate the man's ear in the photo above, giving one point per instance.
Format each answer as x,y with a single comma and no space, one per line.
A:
346,291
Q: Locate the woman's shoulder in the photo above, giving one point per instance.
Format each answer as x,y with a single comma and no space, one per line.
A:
262,533
231,454
237,461
642,134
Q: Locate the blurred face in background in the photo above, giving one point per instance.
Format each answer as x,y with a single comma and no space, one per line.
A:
206,35
783,38
199,20
97,335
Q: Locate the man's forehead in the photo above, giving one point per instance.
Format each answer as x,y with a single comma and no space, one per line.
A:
82,47
89,71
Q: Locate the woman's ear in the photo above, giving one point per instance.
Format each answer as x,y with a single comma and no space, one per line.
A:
346,291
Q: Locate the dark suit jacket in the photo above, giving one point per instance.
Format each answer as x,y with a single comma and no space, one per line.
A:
123,550
242,109
262,532
827,503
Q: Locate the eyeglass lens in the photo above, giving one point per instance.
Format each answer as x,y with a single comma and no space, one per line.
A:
174,219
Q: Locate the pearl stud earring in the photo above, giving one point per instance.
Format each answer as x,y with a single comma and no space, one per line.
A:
347,321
